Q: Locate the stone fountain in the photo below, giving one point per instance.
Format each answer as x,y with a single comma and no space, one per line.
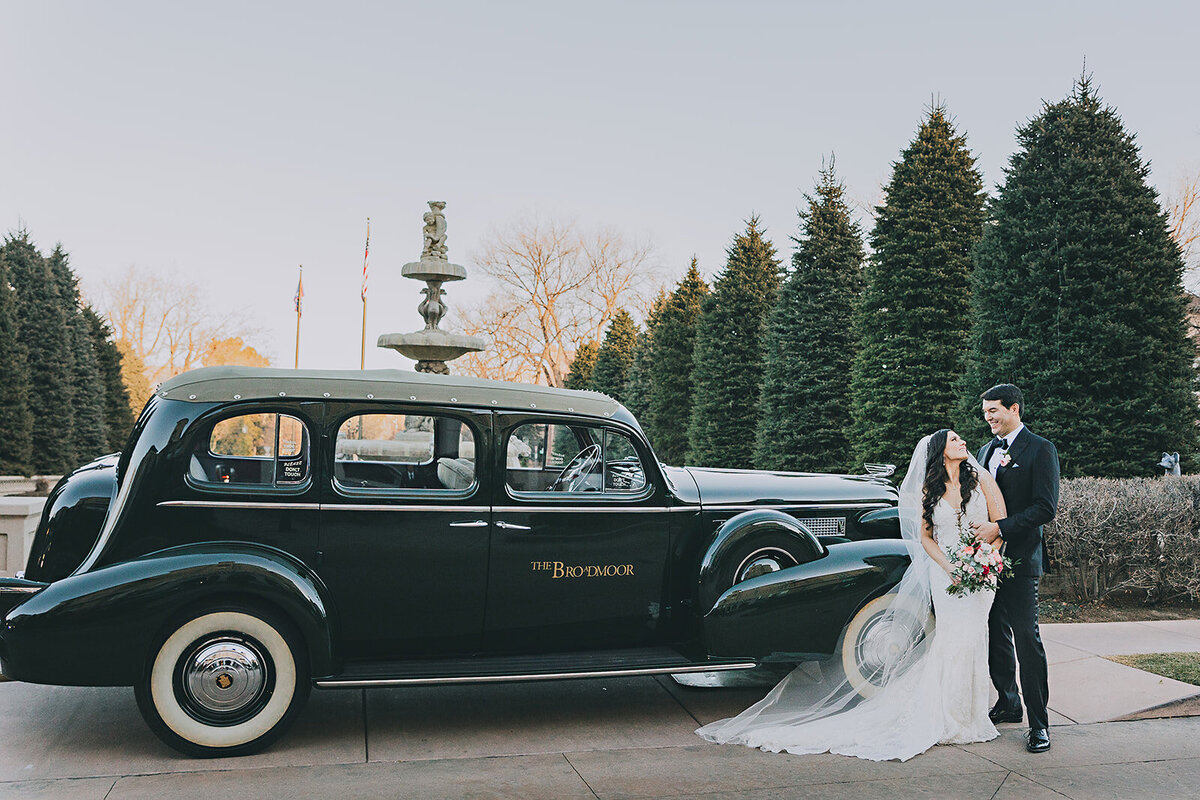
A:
433,347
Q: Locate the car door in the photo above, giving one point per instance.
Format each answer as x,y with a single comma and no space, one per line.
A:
404,528
579,540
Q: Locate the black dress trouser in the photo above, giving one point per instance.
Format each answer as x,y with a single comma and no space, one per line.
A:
1013,625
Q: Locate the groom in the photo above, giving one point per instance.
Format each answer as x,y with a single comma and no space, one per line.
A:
1026,467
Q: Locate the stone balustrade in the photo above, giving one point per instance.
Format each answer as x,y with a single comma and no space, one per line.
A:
18,520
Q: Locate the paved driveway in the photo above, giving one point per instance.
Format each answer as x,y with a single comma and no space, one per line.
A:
600,738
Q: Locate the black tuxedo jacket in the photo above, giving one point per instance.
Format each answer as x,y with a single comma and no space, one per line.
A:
1030,487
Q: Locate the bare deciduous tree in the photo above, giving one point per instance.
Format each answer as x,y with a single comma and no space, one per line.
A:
554,288
1183,213
165,323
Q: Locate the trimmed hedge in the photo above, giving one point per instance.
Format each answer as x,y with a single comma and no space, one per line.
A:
1138,537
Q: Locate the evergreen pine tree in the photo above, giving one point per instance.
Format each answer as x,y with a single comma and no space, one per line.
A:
913,321
671,374
584,363
44,332
16,422
1078,298
804,415
636,395
728,357
615,356
118,418
89,437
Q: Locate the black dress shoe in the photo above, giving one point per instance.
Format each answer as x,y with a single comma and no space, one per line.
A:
1037,740
1000,714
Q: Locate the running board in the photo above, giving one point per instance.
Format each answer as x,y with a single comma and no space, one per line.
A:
612,664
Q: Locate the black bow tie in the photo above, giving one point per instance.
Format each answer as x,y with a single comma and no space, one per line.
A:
1001,443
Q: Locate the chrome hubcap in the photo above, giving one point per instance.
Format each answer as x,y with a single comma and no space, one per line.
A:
880,644
763,562
225,676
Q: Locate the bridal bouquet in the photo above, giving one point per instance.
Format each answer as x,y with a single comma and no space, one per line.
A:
977,565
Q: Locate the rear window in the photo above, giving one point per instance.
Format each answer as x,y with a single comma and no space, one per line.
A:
263,449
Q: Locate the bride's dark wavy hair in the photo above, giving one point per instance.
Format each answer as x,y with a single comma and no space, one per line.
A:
936,476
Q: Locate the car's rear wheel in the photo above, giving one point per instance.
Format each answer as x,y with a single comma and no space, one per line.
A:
225,681
874,639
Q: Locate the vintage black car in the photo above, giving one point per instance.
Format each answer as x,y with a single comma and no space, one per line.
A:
268,531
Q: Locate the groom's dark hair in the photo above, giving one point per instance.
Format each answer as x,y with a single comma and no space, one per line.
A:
1007,394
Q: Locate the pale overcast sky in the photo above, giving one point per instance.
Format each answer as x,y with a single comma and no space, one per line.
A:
229,142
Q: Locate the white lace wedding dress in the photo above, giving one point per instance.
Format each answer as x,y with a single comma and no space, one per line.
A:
941,699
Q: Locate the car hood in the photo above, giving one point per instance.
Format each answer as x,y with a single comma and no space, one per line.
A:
761,487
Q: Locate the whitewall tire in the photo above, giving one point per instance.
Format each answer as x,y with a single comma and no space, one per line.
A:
227,681
870,642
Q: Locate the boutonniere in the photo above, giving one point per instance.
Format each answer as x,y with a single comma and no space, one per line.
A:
1005,459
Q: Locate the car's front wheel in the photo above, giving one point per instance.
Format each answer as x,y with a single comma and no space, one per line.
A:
224,682
875,638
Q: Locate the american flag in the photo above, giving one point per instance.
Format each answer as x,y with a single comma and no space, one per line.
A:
299,291
366,252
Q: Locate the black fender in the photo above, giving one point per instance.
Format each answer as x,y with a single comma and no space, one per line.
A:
742,529
799,613
882,523
71,520
98,628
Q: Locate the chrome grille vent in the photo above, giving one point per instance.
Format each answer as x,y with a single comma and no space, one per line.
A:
824,526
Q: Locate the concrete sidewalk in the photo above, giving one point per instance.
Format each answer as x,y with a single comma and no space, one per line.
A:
1087,687
631,737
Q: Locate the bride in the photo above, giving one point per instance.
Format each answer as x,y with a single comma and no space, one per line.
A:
933,688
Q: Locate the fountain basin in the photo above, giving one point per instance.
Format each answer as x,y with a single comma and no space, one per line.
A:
433,269
432,345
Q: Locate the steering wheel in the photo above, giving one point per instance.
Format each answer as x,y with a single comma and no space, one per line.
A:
576,470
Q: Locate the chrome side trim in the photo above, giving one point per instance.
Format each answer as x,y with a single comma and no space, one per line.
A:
786,506
382,507
550,676
237,504
20,589
317,506
575,509
563,509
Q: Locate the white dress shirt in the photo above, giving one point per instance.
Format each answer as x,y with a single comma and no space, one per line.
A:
994,462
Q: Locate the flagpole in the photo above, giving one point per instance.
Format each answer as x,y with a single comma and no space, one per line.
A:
362,360
299,299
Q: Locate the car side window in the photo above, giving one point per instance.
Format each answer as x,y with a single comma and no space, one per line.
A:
263,449
556,457
622,468
386,452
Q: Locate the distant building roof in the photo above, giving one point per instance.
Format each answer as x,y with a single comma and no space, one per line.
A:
211,384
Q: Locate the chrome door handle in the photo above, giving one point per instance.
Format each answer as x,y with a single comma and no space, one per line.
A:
474,523
512,526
